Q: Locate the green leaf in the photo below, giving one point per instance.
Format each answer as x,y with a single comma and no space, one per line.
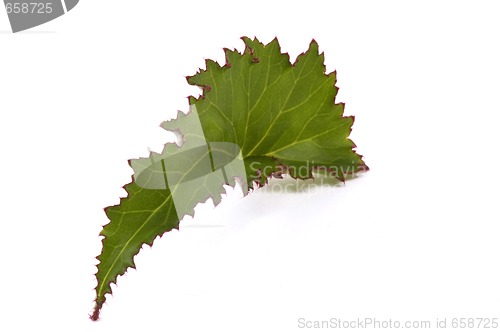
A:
259,110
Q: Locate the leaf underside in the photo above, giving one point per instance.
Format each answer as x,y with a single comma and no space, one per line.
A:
282,116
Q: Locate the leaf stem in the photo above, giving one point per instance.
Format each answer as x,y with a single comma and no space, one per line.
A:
97,309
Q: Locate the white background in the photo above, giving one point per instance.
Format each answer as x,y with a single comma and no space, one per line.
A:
415,238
